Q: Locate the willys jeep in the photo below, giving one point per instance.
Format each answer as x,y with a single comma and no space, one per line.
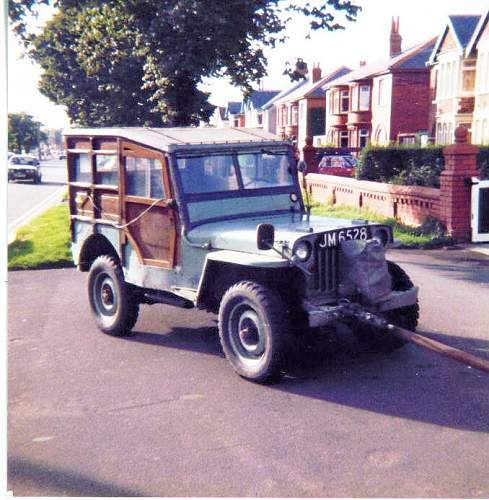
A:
215,219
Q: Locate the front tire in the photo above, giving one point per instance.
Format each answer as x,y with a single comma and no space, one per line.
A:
405,317
252,330
112,304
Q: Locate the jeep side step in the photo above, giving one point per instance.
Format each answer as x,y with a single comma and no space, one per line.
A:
163,297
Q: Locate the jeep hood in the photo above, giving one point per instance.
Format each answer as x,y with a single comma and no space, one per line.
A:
240,234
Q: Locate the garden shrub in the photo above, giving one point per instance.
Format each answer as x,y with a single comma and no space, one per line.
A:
410,165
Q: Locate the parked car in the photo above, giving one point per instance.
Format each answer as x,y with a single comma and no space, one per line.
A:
24,167
214,219
337,161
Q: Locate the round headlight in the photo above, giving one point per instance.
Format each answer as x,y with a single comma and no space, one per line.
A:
303,250
381,235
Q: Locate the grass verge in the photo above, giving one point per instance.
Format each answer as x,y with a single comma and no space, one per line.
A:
42,243
429,235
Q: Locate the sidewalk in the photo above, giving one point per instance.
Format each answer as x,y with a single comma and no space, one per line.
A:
481,248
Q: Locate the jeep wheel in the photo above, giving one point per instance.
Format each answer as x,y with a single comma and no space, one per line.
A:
405,317
252,330
115,309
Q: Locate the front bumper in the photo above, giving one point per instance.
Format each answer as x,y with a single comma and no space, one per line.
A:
19,174
322,315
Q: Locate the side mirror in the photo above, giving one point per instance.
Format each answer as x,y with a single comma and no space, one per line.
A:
302,166
265,236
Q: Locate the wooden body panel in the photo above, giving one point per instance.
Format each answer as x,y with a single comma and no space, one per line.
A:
150,224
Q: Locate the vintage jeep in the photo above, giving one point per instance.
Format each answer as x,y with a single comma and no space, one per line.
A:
215,219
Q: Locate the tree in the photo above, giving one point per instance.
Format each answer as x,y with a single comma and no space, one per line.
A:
140,62
24,133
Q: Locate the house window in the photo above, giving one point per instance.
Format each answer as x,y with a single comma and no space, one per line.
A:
383,99
483,73
336,103
303,110
295,115
364,100
344,139
468,83
345,101
260,118
363,138
484,132
354,98
236,122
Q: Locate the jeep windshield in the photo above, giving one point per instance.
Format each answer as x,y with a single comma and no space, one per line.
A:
231,172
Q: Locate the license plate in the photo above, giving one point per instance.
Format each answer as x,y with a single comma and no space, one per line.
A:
333,238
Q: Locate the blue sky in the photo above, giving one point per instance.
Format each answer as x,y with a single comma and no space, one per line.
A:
367,39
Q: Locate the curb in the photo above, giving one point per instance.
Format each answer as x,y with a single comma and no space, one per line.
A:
36,210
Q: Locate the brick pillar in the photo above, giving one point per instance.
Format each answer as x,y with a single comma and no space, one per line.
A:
455,190
309,156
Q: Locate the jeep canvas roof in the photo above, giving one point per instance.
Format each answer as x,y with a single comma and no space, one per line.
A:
173,139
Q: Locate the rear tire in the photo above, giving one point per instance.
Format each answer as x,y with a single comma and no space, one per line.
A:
112,303
253,330
405,317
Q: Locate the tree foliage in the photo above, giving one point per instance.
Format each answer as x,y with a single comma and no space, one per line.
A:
128,62
24,133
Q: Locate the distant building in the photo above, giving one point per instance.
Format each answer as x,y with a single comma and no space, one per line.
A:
270,108
218,118
460,79
384,101
252,107
301,112
233,114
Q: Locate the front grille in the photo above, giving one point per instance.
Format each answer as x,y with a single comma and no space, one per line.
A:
326,275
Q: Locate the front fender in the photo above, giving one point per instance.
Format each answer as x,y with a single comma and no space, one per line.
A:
243,261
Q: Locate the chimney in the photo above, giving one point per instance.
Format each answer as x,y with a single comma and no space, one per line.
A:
316,73
395,40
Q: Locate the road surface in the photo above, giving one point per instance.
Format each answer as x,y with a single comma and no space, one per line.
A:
25,199
161,413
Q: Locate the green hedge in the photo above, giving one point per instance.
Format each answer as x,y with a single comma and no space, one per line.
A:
409,165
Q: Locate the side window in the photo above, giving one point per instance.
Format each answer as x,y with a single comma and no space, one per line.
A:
144,177
107,171
82,170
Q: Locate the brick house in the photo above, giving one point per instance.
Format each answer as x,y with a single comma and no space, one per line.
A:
453,76
270,109
383,101
300,113
479,47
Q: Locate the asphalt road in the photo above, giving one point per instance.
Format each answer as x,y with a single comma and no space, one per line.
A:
161,413
26,198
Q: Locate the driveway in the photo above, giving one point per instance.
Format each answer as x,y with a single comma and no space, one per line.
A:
161,413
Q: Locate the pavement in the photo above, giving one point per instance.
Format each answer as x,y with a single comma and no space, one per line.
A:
161,413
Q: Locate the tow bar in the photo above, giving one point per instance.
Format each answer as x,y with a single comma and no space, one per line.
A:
355,311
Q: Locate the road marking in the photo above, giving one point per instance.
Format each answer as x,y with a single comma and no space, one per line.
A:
34,212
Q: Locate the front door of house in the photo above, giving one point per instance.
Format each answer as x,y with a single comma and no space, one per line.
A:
480,210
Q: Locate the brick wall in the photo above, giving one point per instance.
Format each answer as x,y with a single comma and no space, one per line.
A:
409,204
